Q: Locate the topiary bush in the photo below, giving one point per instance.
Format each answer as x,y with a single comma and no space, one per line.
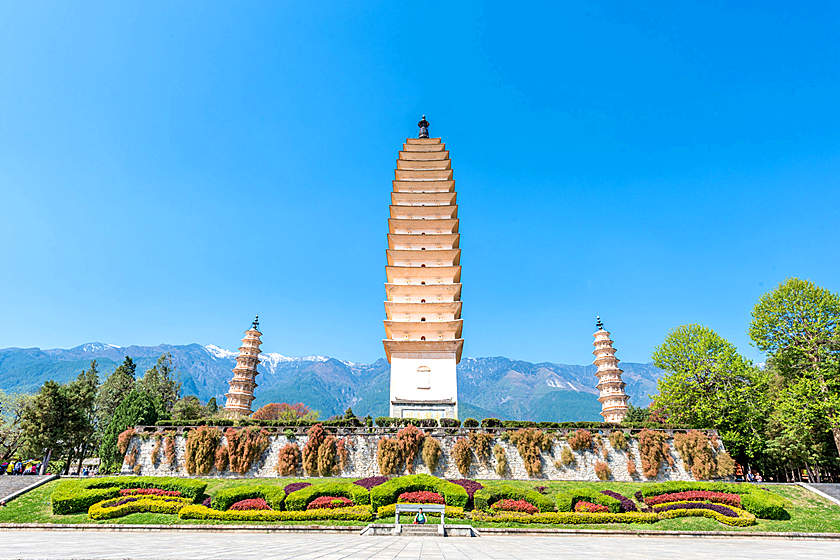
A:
491,423
226,497
450,422
76,496
299,499
566,500
484,498
387,493
470,423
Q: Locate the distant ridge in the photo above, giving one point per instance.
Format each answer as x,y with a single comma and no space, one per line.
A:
489,386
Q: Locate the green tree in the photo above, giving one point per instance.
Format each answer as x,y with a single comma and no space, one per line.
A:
707,384
44,422
113,391
212,406
137,408
159,381
637,414
188,408
80,419
12,406
798,325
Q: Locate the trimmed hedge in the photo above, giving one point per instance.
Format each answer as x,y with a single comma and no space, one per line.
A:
761,503
353,513
566,500
76,496
450,511
487,496
744,519
143,505
567,518
299,499
387,493
226,497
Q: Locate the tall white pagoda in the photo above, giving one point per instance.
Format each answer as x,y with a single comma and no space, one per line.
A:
612,397
242,385
423,321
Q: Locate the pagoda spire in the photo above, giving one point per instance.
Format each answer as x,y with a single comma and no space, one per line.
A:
242,385
612,397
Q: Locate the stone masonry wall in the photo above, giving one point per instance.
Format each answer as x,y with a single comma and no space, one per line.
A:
363,448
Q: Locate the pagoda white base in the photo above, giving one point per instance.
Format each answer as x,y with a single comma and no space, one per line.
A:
424,387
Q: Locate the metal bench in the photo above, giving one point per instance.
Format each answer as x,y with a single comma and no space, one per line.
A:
414,508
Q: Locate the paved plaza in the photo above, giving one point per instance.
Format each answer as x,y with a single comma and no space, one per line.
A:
162,545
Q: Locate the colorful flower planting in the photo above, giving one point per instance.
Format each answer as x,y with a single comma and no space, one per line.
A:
342,500
420,497
589,507
514,505
250,503
329,502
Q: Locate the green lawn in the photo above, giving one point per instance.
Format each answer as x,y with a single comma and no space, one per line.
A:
809,512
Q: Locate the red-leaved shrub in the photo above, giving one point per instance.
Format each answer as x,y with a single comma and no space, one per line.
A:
591,508
716,497
251,503
148,492
329,502
420,497
514,505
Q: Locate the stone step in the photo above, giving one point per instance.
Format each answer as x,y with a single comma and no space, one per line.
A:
419,530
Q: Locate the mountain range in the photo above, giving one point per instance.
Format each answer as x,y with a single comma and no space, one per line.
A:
488,387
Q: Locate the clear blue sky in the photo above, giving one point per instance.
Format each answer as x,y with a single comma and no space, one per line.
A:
169,169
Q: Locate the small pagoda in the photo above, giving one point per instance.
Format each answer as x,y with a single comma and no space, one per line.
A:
612,397
242,385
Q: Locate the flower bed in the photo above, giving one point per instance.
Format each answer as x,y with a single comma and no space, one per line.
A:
110,509
249,504
149,492
471,486
226,497
727,515
387,493
695,495
329,502
514,505
76,496
295,486
566,500
371,481
489,495
454,512
590,507
420,497
626,503
353,513
566,518
299,499
759,502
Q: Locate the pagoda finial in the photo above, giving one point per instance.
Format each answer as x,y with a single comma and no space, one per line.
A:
256,324
424,127
599,323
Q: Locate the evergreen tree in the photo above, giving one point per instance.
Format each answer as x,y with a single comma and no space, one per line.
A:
11,415
137,408
44,422
113,391
188,408
159,382
81,422
212,406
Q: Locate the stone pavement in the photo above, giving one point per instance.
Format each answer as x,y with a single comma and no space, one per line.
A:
167,545
12,483
832,490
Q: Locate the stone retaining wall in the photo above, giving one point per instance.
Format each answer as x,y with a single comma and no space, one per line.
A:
363,448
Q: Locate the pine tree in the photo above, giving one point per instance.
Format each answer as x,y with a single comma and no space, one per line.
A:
137,408
113,391
159,382
212,406
81,397
44,421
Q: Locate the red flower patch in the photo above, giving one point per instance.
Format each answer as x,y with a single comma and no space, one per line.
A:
421,497
716,497
251,503
514,505
591,508
148,492
329,502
